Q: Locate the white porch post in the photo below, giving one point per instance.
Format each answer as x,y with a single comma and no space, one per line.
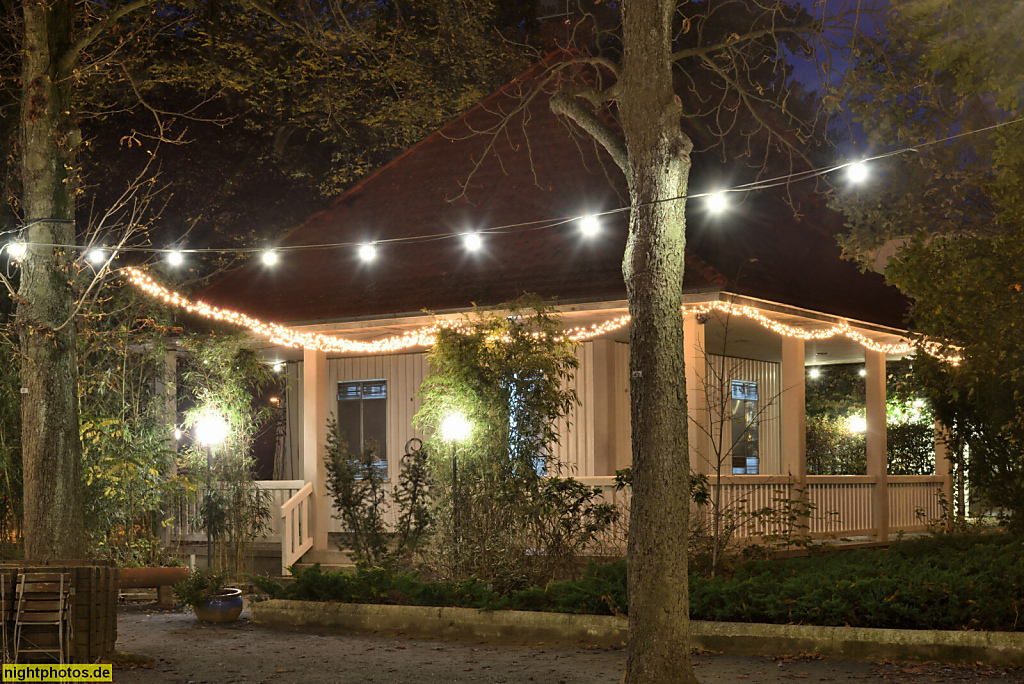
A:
944,467
696,395
314,439
794,420
874,365
604,425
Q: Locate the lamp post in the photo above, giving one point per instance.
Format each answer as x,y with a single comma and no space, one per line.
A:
455,428
211,429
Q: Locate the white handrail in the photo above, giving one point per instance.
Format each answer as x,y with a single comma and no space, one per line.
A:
296,535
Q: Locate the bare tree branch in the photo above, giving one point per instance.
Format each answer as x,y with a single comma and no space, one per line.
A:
566,101
69,58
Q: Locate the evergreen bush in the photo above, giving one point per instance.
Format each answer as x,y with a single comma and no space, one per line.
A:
963,582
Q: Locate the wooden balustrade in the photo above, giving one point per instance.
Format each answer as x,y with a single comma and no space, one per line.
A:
842,507
296,527
914,501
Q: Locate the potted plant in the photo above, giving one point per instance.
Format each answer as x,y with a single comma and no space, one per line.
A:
211,601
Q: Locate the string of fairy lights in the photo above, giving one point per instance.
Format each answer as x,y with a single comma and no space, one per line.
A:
589,226
426,335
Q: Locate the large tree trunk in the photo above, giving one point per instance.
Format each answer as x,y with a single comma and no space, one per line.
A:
51,448
658,169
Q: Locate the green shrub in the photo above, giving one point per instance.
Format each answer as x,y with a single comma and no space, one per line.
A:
968,582
199,585
965,582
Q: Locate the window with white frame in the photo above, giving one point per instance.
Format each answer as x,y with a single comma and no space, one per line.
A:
363,417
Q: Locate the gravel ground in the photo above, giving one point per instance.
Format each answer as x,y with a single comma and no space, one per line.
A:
189,652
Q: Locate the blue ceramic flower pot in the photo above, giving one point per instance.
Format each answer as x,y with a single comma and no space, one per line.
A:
224,606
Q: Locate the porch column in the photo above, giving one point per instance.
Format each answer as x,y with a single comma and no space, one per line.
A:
874,380
944,467
698,420
601,381
314,439
794,421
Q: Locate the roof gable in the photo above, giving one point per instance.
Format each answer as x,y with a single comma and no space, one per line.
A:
538,169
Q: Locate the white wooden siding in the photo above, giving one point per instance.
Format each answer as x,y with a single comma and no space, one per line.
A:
768,377
404,374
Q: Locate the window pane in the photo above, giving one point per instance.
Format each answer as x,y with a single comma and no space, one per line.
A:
349,423
375,425
348,391
375,390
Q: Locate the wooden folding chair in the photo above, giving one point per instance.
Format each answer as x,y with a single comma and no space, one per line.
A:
44,602
6,614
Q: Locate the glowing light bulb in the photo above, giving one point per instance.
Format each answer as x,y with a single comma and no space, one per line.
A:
175,258
211,429
16,250
856,424
472,241
177,433
717,202
590,226
857,172
367,252
269,257
862,372
815,373
455,427
278,367
96,256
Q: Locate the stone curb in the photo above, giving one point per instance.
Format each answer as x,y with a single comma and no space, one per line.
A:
522,628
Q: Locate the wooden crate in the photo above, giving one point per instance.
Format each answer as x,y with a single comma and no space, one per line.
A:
94,610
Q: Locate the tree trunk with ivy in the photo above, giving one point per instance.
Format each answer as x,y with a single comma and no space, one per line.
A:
658,166
51,448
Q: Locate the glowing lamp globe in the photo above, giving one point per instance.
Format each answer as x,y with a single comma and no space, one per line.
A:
367,252
857,172
175,258
96,257
589,225
211,429
269,257
16,250
717,202
815,373
455,428
856,424
472,241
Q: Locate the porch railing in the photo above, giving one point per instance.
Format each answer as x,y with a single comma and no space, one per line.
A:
186,511
296,519
842,507
841,503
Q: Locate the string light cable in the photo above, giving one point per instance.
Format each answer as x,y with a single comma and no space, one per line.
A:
539,224
425,336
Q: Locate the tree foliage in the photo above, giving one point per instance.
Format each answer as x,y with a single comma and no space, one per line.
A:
127,422
223,379
500,510
950,215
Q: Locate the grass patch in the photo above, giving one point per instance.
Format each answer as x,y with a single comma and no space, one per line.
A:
962,582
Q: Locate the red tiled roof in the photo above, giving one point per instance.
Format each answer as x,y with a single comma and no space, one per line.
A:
539,170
